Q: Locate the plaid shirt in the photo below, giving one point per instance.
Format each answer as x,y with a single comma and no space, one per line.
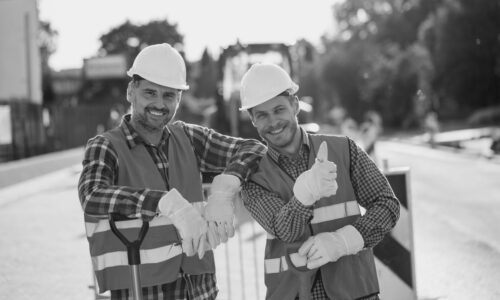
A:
287,218
100,195
98,189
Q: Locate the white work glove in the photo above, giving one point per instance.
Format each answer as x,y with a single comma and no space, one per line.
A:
317,182
188,221
219,211
328,247
204,245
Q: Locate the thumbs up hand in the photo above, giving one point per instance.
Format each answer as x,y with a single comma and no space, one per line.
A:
317,182
322,165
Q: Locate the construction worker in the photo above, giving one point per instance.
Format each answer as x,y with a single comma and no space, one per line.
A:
149,167
311,194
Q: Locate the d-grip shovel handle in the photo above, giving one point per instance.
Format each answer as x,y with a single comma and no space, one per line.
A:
302,272
133,247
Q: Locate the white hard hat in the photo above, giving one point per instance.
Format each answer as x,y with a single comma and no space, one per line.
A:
262,82
162,65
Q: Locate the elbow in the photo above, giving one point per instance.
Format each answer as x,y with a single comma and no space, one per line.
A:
397,210
85,197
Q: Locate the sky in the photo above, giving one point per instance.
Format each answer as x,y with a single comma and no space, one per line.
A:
210,23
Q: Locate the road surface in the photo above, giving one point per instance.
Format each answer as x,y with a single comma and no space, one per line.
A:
456,208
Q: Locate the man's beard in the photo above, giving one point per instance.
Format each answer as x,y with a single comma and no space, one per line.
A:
291,128
141,120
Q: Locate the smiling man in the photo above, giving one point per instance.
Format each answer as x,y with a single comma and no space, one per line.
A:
149,167
307,191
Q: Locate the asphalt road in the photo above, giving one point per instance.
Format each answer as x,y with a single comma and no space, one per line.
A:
455,207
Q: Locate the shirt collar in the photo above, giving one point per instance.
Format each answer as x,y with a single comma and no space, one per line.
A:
275,155
133,138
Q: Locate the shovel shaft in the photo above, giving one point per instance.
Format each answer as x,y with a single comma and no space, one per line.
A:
136,284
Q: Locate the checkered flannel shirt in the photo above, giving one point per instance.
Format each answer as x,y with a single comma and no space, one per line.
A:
287,218
100,195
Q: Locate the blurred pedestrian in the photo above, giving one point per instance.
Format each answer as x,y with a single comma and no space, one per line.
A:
495,141
369,132
431,125
308,189
149,167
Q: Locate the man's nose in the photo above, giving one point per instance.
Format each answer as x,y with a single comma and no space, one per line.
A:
273,120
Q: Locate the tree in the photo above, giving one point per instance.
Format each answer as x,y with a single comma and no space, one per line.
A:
371,63
462,38
130,39
305,72
47,37
205,83
381,21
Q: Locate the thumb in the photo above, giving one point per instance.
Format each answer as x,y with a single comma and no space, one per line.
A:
202,247
322,155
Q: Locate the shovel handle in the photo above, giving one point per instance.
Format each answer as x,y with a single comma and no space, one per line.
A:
133,247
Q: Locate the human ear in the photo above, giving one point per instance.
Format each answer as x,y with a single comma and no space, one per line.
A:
129,92
295,105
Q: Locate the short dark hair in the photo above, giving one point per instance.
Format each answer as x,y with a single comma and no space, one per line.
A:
136,79
285,93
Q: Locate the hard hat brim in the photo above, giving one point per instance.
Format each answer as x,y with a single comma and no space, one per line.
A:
293,89
160,82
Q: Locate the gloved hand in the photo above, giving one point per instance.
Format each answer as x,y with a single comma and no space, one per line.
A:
188,221
328,247
204,245
317,182
219,211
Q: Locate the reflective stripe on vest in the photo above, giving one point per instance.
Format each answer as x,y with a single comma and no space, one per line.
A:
149,256
277,265
103,225
335,211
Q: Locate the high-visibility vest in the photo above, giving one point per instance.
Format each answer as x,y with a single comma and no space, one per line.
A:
161,253
351,276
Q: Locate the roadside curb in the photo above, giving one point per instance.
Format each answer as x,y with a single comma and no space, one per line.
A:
21,170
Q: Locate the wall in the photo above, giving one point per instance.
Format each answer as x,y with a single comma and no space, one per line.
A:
20,68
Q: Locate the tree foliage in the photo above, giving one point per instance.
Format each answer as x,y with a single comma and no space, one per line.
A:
130,39
463,38
371,64
47,44
205,83
406,57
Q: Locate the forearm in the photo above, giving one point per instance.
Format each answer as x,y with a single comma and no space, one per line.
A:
285,220
98,190
378,220
99,200
292,220
221,153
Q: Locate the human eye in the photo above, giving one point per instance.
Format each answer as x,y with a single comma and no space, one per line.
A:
260,116
169,96
149,93
279,110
